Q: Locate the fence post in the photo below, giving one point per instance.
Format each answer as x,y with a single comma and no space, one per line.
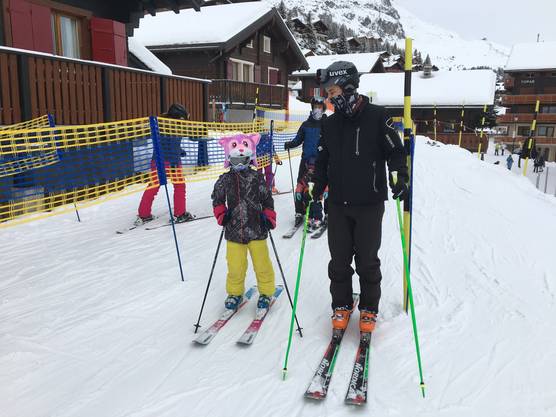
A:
24,87
106,95
538,179
546,180
162,180
163,94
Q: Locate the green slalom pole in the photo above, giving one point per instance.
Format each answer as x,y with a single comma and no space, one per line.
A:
409,291
296,292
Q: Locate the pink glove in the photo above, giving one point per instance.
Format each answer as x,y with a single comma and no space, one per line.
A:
220,212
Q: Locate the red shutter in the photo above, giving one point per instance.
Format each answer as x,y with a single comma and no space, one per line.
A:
20,19
273,76
257,73
31,26
41,17
109,41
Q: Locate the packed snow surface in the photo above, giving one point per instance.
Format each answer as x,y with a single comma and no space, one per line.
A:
98,324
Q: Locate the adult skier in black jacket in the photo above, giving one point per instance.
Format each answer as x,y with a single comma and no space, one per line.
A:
356,142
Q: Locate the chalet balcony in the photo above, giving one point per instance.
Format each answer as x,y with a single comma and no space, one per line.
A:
469,141
528,99
244,94
526,117
540,140
84,92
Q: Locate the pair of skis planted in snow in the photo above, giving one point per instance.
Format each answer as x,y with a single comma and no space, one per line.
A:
251,332
357,389
153,226
315,233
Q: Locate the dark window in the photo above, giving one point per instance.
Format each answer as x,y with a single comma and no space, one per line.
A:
545,131
548,109
523,130
530,75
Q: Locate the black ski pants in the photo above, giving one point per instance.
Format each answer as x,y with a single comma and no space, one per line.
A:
355,231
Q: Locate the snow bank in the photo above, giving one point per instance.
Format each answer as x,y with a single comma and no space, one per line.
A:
147,57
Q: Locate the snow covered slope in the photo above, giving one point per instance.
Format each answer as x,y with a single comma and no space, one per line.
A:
98,324
447,49
392,22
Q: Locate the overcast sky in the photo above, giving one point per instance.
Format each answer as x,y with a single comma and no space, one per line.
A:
503,21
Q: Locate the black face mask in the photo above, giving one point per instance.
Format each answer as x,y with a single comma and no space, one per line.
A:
344,103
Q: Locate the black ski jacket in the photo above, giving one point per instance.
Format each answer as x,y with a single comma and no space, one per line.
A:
352,157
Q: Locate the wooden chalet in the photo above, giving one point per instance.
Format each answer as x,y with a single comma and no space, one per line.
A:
530,75
252,51
70,58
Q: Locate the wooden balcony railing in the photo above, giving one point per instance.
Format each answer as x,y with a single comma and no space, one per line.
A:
540,140
526,117
469,141
239,92
508,100
84,92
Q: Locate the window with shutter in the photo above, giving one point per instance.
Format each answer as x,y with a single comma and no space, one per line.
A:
108,41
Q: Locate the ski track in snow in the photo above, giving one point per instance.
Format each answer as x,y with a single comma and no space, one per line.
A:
98,324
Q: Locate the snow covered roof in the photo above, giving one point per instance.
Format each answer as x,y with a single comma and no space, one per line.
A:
147,57
214,24
364,62
532,56
444,88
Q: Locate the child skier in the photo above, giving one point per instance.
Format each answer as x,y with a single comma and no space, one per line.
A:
171,153
303,198
308,135
242,203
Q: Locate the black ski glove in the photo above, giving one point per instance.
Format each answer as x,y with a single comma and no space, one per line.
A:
399,189
288,145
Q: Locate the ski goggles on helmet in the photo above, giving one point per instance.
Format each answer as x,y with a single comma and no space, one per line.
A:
328,77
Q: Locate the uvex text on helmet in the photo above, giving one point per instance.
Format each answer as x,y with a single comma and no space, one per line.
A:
344,74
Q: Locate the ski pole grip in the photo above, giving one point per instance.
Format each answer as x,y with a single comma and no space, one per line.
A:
311,186
394,176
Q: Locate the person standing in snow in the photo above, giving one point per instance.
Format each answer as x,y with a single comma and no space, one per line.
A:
242,203
496,149
171,153
356,143
308,135
266,147
509,162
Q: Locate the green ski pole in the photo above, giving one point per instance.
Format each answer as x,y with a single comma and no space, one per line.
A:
409,291
296,292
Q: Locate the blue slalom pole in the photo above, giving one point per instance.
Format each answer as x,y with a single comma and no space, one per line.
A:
162,180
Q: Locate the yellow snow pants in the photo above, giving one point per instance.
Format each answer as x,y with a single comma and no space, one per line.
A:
236,256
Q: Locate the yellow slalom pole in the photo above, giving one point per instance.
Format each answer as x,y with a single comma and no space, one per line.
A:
461,124
482,129
407,124
531,135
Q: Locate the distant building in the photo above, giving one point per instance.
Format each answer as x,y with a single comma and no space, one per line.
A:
445,90
530,75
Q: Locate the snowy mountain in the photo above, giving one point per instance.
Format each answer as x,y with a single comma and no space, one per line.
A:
392,22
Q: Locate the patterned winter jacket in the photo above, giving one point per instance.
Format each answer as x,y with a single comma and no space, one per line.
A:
246,194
